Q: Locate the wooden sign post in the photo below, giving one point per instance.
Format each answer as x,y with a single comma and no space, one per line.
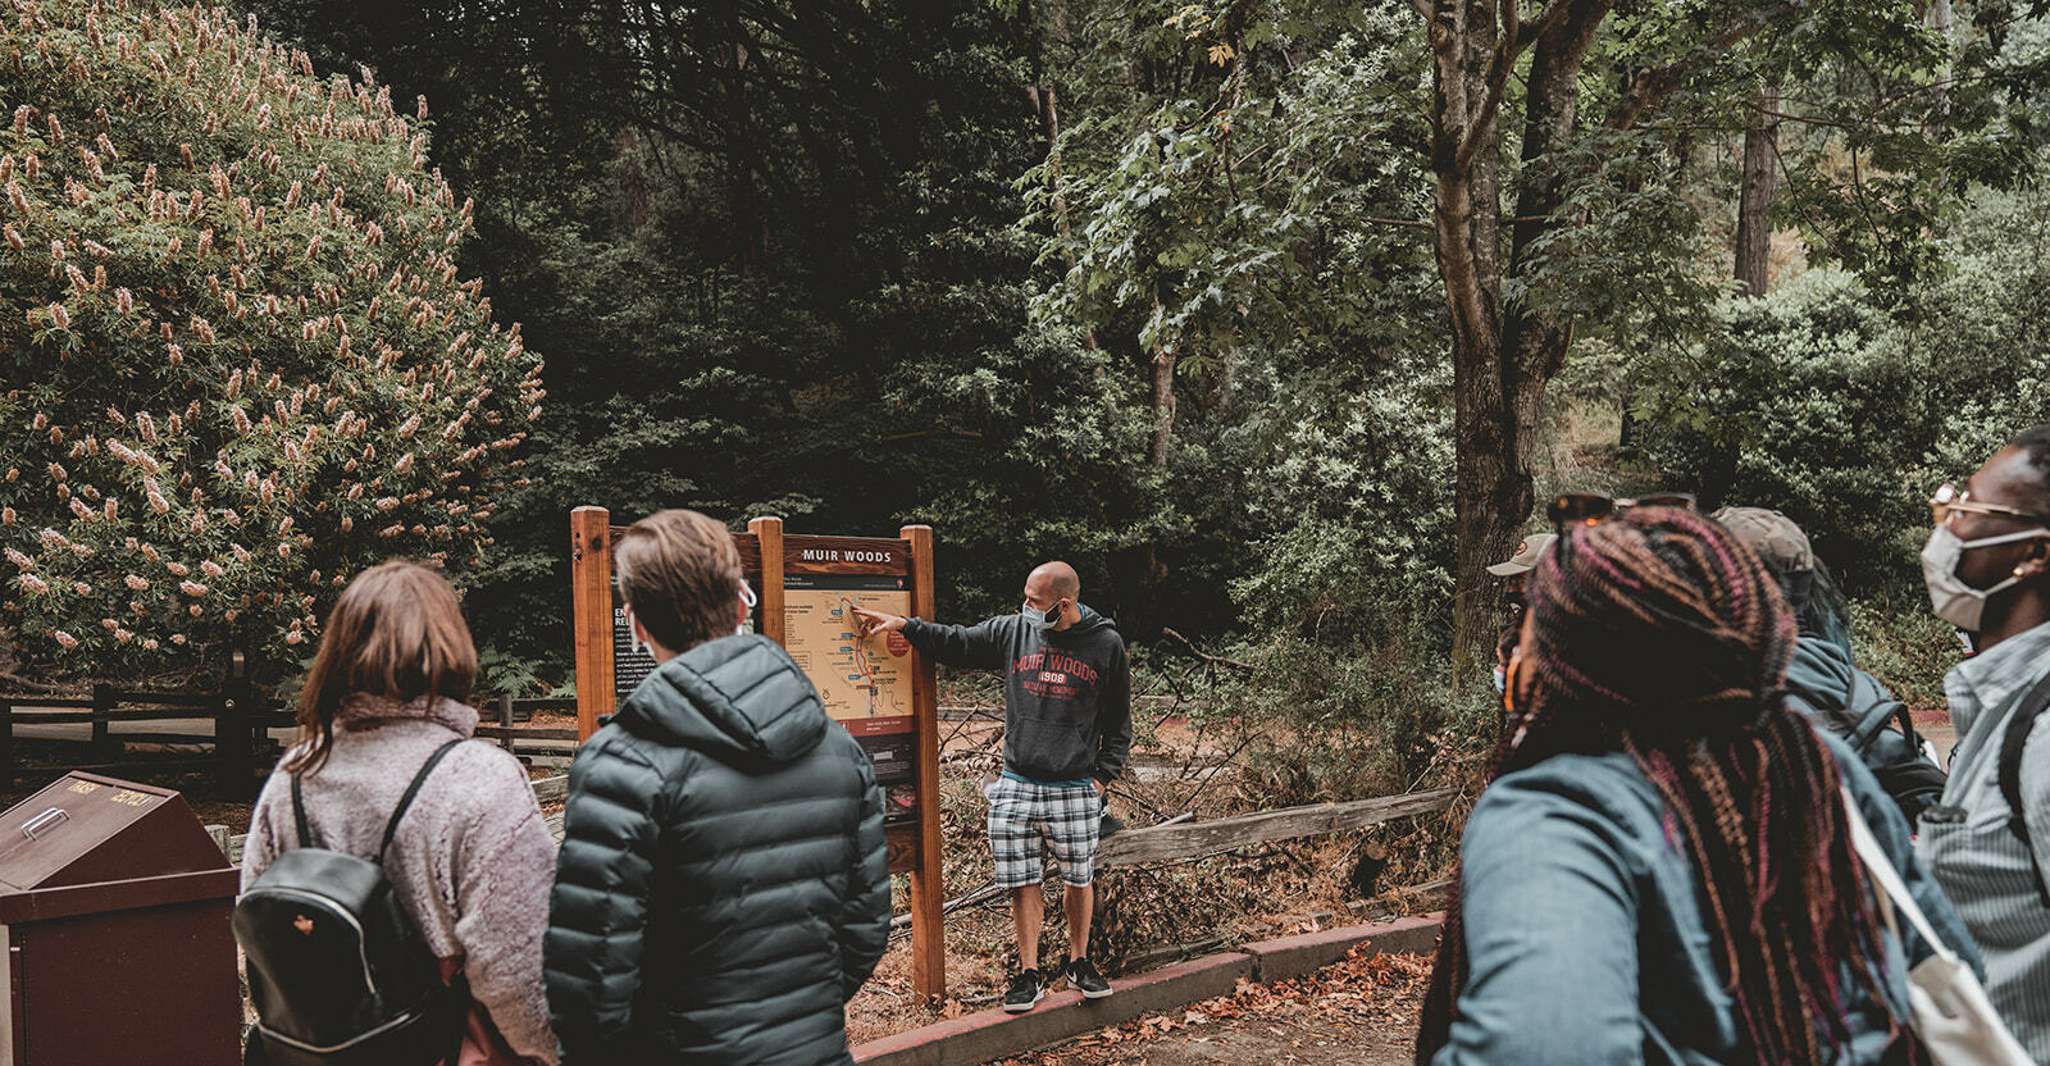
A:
878,687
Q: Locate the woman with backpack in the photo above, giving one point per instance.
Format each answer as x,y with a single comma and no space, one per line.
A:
1663,869
388,782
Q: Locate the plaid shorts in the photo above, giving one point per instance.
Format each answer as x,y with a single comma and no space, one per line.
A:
1023,813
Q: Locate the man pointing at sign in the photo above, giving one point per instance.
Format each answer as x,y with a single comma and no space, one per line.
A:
1067,731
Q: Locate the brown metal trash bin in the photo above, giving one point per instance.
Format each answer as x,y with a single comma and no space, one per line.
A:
114,912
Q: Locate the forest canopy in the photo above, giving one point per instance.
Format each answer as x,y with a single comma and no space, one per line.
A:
1184,293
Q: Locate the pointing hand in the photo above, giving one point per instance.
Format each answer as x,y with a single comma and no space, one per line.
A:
876,621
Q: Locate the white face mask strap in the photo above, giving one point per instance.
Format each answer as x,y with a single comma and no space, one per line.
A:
747,595
2005,538
633,633
1998,588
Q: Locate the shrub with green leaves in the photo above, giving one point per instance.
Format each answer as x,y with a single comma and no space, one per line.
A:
237,362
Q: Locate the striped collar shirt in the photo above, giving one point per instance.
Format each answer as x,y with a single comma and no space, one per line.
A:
1987,871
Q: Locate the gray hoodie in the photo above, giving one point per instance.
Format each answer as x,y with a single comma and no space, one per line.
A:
1067,695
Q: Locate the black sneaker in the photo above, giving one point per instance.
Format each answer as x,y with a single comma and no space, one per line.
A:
1025,992
1083,978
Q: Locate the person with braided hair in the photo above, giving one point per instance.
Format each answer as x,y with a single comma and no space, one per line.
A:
1661,870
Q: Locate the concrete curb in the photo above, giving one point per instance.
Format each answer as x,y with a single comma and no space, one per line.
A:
1299,956
992,1034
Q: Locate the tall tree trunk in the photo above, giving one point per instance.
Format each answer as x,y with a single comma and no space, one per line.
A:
1761,184
1046,104
1533,345
1503,357
1467,221
1163,404
1938,17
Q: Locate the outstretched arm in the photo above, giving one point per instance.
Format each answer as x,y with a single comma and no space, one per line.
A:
984,645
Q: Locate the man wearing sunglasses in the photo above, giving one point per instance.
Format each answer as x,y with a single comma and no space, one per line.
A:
1987,568
1067,732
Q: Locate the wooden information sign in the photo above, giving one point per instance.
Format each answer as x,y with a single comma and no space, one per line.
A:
878,687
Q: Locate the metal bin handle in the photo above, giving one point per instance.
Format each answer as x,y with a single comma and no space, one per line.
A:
43,821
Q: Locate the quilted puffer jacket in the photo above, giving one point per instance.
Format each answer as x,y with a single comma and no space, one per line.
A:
722,888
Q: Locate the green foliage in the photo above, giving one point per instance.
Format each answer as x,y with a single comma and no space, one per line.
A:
247,366
1766,411
1352,492
831,267
1844,414
1382,718
1225,219
1897,640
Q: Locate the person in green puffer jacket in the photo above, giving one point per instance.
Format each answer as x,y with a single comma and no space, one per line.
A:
1822,681
723,888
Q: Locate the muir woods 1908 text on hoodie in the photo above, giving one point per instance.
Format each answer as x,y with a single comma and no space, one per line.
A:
1067,694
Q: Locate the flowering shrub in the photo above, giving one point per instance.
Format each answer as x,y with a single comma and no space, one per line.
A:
237,362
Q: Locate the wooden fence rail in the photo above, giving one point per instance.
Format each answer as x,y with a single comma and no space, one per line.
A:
1177,841
236,717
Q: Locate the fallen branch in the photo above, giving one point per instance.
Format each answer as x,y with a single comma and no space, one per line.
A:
1215,660
900,926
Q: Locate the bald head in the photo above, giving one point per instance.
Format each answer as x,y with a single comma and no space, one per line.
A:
1055,585
1057,580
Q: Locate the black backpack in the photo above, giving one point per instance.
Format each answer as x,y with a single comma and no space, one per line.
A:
1898,759
2012,742
1903,762
339,974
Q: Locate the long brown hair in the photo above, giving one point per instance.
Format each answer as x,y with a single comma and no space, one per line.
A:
397,632
1660,635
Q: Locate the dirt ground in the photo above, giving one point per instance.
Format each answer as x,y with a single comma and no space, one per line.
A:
1147,917
1360,1012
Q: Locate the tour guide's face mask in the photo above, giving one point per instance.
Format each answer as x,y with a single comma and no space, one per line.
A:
1954,601
1038,619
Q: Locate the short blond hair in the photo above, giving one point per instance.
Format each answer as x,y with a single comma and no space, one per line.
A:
680,573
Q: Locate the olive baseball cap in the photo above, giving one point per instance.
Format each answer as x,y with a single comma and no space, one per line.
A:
1774,536
1526,558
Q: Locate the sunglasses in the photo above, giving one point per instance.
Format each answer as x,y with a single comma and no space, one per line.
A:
1588,508
1951,501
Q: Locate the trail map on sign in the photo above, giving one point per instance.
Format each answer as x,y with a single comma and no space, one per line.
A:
857,678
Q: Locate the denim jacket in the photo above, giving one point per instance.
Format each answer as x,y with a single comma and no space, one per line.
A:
1586,929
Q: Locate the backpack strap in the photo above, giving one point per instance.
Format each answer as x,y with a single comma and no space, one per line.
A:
391,828
307,837
1876,709
2019,724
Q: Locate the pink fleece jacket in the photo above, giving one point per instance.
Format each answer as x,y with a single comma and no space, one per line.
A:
473,861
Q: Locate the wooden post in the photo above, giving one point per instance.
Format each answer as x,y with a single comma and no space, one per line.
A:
7,744
505,721
103,702
928,886
769,535
590,561
235,738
